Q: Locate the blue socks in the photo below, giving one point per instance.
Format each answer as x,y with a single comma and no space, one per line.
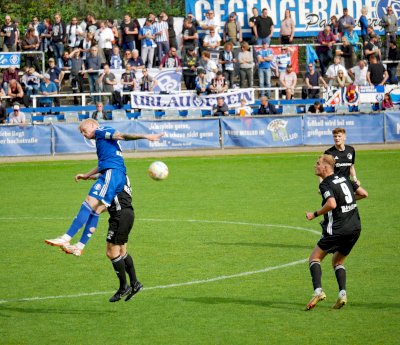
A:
80,219
90,227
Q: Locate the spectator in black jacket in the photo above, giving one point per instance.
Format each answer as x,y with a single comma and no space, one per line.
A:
266,108
316,108
394,55
58,38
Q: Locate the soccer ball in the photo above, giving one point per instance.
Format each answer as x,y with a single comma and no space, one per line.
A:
158,171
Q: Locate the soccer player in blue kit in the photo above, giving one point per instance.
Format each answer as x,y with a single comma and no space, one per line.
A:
111,181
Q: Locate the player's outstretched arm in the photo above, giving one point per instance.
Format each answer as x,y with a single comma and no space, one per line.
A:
132,136
92,174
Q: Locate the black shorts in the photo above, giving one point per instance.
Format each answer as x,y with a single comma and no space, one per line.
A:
120,225
339,243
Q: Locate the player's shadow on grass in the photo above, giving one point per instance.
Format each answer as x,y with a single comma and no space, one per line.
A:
377,305
242,301
260,244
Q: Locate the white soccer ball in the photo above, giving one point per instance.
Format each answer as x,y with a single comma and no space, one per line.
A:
158,171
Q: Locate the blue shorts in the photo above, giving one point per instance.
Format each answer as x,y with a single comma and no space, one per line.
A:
108,185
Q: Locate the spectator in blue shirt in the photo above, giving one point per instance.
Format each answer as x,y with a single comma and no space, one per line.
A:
264,58
47,88
147,34
364,24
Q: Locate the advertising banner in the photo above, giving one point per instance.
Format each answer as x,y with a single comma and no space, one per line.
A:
392,127
360,129
10,60
25,140
261,132
309,16
180,135
68,139
144,100
354,95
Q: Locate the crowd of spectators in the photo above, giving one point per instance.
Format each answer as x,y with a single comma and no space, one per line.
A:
95,49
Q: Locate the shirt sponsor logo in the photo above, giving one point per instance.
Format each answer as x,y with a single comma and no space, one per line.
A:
342,164
348,208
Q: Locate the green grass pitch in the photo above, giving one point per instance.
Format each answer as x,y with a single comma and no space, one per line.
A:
220,247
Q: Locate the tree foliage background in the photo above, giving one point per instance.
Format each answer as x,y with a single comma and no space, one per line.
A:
24,10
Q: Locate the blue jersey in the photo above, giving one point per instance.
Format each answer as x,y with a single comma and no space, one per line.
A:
264,53
109,151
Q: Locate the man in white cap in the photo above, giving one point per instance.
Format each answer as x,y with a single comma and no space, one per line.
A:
17,116
47,88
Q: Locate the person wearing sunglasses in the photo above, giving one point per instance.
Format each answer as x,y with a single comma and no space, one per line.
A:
17,117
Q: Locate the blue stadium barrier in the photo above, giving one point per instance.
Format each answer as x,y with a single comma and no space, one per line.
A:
205,112
135,115
82,117
183,113
67,108
159,114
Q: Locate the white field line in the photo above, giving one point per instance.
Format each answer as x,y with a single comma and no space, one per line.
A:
281,226
194,282
203,281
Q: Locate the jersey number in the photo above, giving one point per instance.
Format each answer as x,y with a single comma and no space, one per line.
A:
347,193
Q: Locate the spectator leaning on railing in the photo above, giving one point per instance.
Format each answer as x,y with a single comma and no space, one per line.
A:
265,107
312,79
47,88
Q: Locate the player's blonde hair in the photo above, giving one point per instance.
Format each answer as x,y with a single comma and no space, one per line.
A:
328,160
87,121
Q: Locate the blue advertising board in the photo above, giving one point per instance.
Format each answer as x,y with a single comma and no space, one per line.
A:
10,60
360,129
68,139
262,132
392,127
180,135
25,140
309,16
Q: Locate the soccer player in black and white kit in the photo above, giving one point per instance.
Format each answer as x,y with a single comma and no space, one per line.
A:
122,217
341,227
344,155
